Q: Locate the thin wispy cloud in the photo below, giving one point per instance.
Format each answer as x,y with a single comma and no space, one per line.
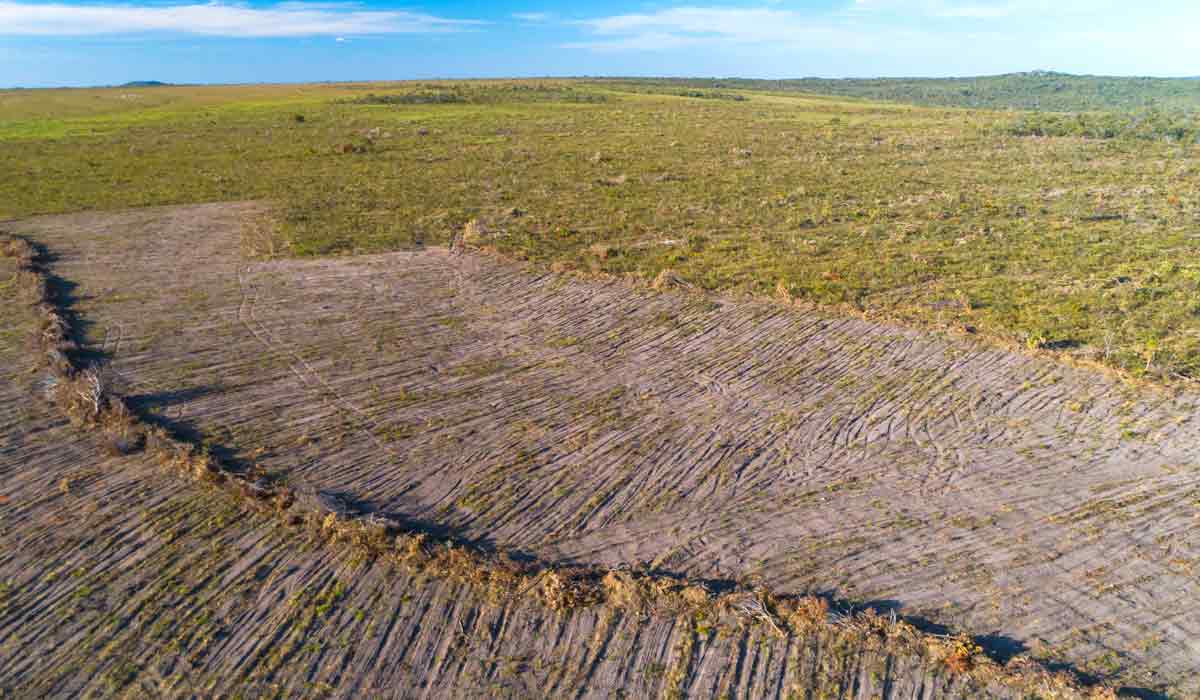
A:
1005,33
690,26
533,17
986,9
291,19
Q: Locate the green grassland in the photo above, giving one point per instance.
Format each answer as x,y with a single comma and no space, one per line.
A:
939,217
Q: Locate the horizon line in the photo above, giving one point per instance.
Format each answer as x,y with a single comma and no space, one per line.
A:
152,83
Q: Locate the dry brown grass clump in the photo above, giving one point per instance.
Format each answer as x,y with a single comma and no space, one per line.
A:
19,249
783,293
30,285
472,235
474,232
669,279
261,238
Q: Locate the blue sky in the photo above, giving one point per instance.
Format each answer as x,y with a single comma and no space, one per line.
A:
66,42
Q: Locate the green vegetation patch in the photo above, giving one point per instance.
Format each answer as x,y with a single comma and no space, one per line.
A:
1149,125
1078,241
1034,90
468,93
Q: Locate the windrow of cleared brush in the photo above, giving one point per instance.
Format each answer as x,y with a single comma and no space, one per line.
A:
81,394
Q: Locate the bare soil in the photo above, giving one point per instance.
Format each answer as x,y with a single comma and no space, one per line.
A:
122,580
593,421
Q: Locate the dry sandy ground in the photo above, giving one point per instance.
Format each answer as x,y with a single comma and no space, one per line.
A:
121,579
728,439
124,581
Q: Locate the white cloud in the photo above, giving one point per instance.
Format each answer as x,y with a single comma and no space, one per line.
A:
289,19
533,17
977,11
685,26
863,26
987,9
642,41
913,37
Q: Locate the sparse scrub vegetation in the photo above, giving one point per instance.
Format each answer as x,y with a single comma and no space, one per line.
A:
1035,90
484,94
1151,125
1080,237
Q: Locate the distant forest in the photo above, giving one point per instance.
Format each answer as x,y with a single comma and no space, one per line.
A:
1038,90
1050,104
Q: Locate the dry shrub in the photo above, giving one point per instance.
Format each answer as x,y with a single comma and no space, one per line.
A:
474,232
1028,675
696,596
807,613
754,607
19,249
82,396
958,653
669,279
562,589
644,594
411,550
51,343
602,251
29,283
622,591
183,457
782,293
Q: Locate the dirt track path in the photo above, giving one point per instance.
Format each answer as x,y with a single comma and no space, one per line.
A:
594,422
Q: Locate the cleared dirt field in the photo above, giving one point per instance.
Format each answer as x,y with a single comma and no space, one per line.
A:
121,579
591,421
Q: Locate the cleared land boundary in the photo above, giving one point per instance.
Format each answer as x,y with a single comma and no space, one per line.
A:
80,391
